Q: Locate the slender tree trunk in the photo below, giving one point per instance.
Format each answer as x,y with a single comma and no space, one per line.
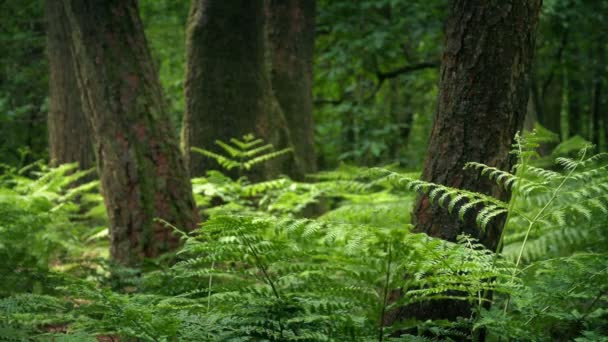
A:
595,113
69,130
139,163
403,116
551,90
552,104
575,107
596,106
531,116
483,93
536,97
291,37
228,86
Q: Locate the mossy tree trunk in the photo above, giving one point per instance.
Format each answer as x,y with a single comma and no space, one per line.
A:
291,37
483,93
228,86
68,128
139,163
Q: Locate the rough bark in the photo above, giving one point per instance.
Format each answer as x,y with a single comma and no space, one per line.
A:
228,89
138,159
69,131
291,36
483,93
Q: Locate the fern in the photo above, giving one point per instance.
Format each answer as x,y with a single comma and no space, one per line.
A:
256,270
322,274
243,154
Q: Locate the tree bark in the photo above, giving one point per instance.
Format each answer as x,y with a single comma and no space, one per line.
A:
68,128
483,93
228,86
291,37
138,159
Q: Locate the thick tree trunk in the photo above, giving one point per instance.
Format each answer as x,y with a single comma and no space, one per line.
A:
141,169
483,93
69,130
291,37
228,89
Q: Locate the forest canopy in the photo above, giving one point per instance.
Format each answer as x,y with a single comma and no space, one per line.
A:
311,170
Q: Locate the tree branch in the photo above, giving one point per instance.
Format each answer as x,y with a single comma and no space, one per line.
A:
406,69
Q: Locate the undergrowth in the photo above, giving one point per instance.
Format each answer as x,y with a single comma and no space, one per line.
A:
264,266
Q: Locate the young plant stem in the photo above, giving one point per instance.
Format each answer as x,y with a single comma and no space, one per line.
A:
209,287
520,170
535,220
267,278
385,295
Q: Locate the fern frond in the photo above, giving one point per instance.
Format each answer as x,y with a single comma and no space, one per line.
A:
257,150
227,163
266,157
503,178
233,152
248,142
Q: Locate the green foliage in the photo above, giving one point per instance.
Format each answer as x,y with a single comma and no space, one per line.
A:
243,154
23,83
291,279
35,223
554,218
256,270
165,27
46,220
360,116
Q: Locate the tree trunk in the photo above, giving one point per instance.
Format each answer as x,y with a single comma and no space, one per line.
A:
596,106
595,113
138,159
402,115
531,116
575,107
483,93
291,37
69,130
552,104
228,89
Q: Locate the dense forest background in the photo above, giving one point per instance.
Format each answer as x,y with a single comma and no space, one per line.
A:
310,170
376,67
